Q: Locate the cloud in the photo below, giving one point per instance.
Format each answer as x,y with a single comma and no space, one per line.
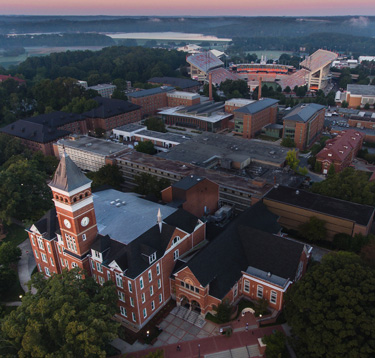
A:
360,21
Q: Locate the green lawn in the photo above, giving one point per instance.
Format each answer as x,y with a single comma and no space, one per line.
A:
15,234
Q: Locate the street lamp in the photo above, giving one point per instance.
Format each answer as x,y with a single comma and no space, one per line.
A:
199,351
20,296
148,333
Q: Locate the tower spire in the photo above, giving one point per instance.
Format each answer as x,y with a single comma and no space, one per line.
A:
159,220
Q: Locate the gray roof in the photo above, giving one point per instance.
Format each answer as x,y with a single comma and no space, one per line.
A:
175,82
257,106
122,222
303,112
109,107
188,182
150,92
364,90
68,176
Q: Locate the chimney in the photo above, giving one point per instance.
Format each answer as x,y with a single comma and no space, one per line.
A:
159,220
260,88
210,86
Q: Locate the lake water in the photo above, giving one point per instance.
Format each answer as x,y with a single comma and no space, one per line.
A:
177,36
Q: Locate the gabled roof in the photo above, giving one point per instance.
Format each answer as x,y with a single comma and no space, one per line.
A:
110,107
205,61
68,176
303,112
221,263
257,106
34,132
48,224
182,220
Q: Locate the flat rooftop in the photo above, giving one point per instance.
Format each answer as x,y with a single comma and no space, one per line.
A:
92,145
200,149
182,94
132,127
363,90
121,222
238,102
171,137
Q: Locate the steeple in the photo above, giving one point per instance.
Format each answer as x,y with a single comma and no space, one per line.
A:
159,219
68,176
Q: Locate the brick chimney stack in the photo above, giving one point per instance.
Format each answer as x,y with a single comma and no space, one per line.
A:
260,88
210,86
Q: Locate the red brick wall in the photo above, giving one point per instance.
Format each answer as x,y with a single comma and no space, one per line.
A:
174,102
150,104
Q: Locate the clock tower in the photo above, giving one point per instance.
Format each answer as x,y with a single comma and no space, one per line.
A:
72,196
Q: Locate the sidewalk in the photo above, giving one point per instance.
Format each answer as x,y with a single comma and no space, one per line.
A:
26,265
211,345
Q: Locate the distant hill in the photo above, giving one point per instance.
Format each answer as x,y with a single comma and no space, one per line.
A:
217,26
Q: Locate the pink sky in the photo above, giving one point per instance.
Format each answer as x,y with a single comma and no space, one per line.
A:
190,7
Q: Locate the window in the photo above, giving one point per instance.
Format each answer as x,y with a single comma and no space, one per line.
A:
47,271
235,291
71,243
74,264
118,280
101,280
52,263
182,283
36,254
175,255
151,290
93,265
175,240
160,298
196,290
99,267
58,246
260,291
123,311
144,313
133,317
149,276
108,275
152,305
141,285
143,298
121,296
97,254
48,247
40,268
66,263
158,269
84,237
152,258
159,283
273,298
40,243
44,257
246,286
62,262
130,286
132,301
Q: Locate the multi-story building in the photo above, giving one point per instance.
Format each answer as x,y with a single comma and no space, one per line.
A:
180,98
341,150
112,113
359,95
235,103
150,100
182,84
40,132
295,206
250,119
304,124
104,89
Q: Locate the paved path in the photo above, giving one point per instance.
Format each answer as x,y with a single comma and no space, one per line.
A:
211,345
26,265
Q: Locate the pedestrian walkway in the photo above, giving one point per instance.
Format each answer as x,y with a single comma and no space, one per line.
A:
26,265
190,316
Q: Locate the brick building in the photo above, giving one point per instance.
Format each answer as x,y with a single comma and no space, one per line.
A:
341,150
304,124
179,98
40,132
183,84
250,119
112,113
359,95
150,100
295,207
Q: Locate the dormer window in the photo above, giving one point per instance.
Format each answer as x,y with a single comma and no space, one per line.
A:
152,258
175,240
330,154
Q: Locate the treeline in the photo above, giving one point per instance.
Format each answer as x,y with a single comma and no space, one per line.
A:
56,40
117,62
336,42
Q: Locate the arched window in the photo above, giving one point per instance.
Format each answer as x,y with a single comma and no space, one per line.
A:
81,196
74,199
176,240
66,200
86,194
56,197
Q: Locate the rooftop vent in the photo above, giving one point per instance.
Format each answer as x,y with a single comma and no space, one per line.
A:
117,200
112,202
118,205
124,202
297,192
269,274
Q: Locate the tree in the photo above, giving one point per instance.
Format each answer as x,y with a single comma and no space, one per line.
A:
331,170
9,254
291,159
24,193
350,185
107,175
276,345
145,147
223,311
303,170
156,354
155,124
317,166
368,253
313,230
288,142
67,317
331,310
147,184
344,104
287,89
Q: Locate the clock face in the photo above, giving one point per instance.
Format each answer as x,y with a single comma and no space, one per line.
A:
85,221
67,223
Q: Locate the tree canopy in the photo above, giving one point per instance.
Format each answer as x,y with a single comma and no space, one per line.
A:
147,184
9,254
350,185
331,309
313,230
155,124
107,175
67,317
145,147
